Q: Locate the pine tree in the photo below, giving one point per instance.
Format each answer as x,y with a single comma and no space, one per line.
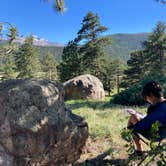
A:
119,67
135,71
9,68
149,63
11,47
7,53
49,66
92,50
91,54
59,5
107,73
91,28
70,65
12,34
27,60
155,48
85,58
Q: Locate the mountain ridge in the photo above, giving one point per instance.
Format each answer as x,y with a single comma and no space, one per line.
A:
122,45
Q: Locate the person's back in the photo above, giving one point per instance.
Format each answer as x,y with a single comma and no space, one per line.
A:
152,93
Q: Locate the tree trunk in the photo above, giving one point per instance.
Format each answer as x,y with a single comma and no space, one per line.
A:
117,83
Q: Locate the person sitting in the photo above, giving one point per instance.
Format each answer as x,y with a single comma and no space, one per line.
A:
153,94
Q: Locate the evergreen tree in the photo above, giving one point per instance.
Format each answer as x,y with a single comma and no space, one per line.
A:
7,53
27,60
111,73
70,65
91,28
87,58
91,56
119,67
11,47
59,5
49,66
149,63
92,50
135,71
107,73
12,34
155,47
9,68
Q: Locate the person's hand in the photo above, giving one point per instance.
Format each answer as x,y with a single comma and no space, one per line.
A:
131,111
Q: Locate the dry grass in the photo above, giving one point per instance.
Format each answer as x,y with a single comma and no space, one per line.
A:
105,124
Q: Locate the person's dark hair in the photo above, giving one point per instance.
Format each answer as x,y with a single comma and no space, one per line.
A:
153,88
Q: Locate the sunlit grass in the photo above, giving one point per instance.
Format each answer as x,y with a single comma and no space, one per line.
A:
104,120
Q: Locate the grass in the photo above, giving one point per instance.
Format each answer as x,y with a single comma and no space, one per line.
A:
105,123
104,120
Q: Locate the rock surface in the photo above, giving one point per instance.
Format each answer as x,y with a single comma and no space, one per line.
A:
84,87
35,127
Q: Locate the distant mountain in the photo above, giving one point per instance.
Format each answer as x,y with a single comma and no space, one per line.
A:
43,45
39,41
121,47
124,44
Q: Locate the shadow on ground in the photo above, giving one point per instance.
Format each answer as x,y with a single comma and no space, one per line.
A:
90,104
101,161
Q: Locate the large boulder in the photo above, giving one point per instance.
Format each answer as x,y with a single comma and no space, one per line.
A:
84,87
35,127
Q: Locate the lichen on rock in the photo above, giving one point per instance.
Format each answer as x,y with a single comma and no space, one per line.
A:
35,126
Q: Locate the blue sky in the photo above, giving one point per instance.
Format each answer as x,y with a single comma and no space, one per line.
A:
120,16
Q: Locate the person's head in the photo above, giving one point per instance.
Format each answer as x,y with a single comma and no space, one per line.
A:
152,92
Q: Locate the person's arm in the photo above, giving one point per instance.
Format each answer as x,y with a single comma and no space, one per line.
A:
145,123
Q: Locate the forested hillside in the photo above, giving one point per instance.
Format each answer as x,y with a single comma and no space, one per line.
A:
54,50
122,45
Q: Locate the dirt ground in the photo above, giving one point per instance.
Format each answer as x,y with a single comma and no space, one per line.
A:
101,152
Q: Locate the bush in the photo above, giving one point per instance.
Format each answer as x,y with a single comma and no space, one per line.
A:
132,95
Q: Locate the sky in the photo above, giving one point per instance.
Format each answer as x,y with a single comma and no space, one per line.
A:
119,16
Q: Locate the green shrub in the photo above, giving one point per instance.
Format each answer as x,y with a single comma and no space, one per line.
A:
132,95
